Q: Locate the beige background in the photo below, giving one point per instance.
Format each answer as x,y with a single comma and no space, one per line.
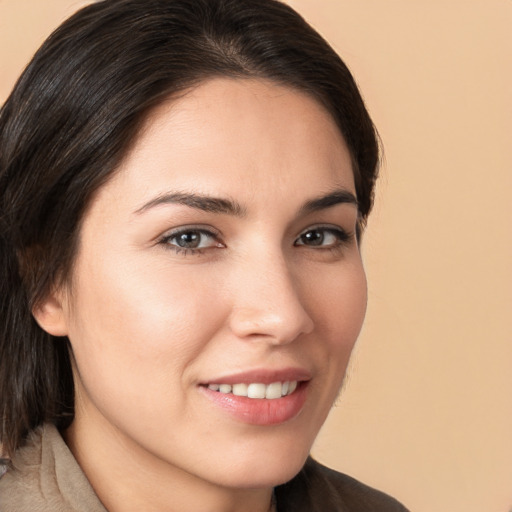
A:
427,411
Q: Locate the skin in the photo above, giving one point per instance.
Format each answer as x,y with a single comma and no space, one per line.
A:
149,321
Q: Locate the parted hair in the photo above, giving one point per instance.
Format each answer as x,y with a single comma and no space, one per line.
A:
74,113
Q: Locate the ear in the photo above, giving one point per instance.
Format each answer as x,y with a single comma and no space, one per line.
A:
50,315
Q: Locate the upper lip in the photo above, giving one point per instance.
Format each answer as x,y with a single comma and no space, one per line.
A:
263,376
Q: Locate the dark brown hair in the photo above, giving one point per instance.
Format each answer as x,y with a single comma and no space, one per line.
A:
74,113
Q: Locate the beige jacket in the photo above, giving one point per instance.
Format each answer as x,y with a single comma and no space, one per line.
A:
47,478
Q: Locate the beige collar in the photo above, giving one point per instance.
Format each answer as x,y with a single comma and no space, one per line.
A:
46,476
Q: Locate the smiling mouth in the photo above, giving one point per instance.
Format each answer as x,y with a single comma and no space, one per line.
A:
260,398
257,389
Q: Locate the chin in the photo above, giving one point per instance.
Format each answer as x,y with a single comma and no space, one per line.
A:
264,468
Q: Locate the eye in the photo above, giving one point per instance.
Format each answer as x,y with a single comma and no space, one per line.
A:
323,237
191,240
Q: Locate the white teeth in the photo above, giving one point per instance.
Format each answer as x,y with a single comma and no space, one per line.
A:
273,390
240,389
257,390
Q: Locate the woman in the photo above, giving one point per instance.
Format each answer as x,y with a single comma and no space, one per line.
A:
184,186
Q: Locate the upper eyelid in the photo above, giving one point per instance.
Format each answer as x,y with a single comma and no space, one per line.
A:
208,230
327,227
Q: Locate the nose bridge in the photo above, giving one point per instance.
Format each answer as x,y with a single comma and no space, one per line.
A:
268,304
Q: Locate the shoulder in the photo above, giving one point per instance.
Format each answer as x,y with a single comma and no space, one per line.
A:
43,476
20,480
318,488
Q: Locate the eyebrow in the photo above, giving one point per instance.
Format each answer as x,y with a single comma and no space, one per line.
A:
231,207
197,201
341,196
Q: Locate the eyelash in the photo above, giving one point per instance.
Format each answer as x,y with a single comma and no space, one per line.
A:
185,251
342,238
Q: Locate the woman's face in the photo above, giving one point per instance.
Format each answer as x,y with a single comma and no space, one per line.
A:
220,260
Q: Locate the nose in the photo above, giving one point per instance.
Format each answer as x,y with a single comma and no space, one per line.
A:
268,305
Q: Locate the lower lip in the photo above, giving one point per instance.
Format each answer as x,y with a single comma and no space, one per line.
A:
260,411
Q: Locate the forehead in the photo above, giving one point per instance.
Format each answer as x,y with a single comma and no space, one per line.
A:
238,137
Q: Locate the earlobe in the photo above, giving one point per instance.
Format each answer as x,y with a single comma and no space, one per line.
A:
50,316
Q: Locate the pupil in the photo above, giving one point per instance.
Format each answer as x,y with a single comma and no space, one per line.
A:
189,240
313,237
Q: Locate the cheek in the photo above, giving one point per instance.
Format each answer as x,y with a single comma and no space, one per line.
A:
138,327
339,307
157,304
339,304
